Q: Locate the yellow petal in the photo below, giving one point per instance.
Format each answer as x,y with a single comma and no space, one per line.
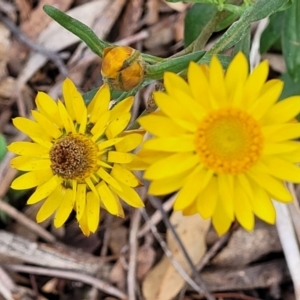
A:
266,101
194,185
27,163
31,179
281,169
107,198
83,121
242,208
262,204
129,195
220,220
271,185
116,126
279,148
199,85
180,116
99,104
31,128
91,185
171,165
119,157
225,189
109,143
83,224
255,82
121,108
49,127
283,111
74,99
68,90
172,80
168,185
189,104
45,190
48,107
160,125
92,211
281,132
129,141
51,204
184,143
29,149
66,118
207,200
125,176
109,178
237,72
80,200
64,210
100,126
216,81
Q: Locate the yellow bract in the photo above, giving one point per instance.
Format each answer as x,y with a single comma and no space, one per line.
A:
78,157
223,142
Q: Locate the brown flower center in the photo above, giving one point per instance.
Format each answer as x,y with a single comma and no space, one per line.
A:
74,157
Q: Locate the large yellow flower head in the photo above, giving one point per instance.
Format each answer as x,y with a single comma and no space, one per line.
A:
224,142
78,158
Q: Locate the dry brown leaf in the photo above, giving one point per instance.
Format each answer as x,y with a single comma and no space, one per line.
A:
178,6
118,239
4,47
164,282
56,38
245,247
131,20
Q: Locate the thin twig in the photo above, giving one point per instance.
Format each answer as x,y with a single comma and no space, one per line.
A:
289,244
81,277
174,262
7,286
157,204
133,249
157,216
54,57
22,219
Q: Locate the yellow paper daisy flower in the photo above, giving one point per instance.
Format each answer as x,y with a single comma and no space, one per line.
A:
78,158
224,142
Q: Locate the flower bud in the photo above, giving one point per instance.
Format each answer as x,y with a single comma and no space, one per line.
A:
122,67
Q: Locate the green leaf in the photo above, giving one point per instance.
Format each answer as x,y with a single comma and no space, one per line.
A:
272,34
3,149
77,28
232,16
291,86
291,40
237,31
175,65
244,44
195,20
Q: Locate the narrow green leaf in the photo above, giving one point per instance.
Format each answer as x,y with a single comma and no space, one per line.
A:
77,28
244,44
272,33
291,40
236,32
175,65
3,149
196,18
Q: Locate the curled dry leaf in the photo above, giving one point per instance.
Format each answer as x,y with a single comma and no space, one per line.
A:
245,247
164,282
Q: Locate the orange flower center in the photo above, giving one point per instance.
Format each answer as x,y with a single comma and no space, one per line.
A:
229,141
74,157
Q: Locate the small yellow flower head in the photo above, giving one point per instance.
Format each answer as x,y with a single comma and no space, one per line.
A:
122,67
224,142
79,158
